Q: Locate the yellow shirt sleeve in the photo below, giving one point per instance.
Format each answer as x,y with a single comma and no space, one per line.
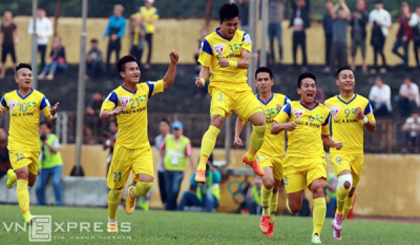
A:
206,54
110,102
45,106
155,87
246,42
284,115
369,112
326,125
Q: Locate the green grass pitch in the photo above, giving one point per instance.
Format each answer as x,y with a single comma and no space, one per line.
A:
158,227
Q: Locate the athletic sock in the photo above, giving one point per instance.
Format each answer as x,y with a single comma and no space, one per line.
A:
348,205
342,194
23,195
114,199
265,200
207,145
141,189
256,141
319,212
273,205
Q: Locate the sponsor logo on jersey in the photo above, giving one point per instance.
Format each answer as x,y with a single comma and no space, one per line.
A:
124,101
298,113
11,104
219,48
334,111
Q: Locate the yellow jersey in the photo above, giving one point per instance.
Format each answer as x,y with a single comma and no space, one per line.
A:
215,47
132,122
273,145
24,118
305,141
149,14
346,127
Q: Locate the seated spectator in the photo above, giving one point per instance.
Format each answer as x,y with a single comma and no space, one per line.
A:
200,91
4,153
331,191
380,98
94,59
57,60
137,37
203,195
253,197
93,126
409,97
411,130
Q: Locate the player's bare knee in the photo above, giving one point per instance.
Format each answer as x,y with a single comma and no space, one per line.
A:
217,121
268,184
145,178
295,207
317,190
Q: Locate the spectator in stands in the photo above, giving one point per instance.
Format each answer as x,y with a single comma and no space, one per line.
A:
358,33
200,92
95,105
380,21
57,61
404,34
328,31
275,17
331,191
4,154
115,30
94,60
44,29
341,18
50,165
137,38
9,37
150,15
109,142
253,197
300,20
206,195
415,24
244,14
176,150
320,94
164,128
411,130
409,97
93,126
380,98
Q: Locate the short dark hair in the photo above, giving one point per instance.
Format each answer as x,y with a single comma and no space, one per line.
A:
408,77
380,78
93,40
124,60
228,11
343,68
165,121
304,76
264,69
46,123
23,65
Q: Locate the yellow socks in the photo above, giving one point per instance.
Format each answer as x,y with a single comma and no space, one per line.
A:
141,189
207,145
256,140
319,212
273,205
265,200
342,194
114,199
348,204
23,195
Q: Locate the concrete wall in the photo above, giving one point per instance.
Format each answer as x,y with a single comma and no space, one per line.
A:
390,185
182,35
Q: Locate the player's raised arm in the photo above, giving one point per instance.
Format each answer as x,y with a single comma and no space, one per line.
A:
53,113
239,125
367,118
170,74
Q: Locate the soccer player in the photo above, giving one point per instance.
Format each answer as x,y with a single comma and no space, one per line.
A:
271,154
307,123
351,113
226,53
132,150
25,106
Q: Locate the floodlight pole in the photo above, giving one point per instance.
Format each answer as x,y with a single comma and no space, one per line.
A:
264,17
81,86
34,46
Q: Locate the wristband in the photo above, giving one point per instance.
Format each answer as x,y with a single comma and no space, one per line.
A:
203,80
233,63
53,116
365,120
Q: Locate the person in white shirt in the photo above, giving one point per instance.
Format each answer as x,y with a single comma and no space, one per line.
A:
44,29
411,128
415,24
409,97
380,21
380,98
164,128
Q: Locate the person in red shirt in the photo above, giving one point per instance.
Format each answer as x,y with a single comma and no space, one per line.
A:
404,34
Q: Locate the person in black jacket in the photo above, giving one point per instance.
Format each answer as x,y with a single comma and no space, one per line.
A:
358,33
300,20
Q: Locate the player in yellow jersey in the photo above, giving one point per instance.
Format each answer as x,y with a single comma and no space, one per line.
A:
271,154
132,152
25,106
350,112
225,54
307,123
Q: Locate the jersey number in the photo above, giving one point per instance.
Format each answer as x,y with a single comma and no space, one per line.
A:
19,156
221,97
132,103
117,176
348,112
262,159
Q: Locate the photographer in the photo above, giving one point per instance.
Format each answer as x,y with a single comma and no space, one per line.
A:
50,165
